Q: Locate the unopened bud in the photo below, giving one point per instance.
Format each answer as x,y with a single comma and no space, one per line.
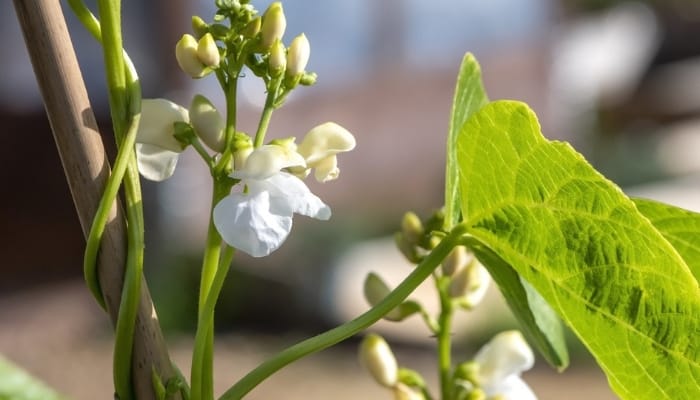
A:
208,52
408,249
308,79
277,60
469,284
376,356
274,24
458,258
199,27
412,227
298,55
252,28
187,58
207,123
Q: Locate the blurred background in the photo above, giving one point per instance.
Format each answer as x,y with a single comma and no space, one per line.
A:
620,80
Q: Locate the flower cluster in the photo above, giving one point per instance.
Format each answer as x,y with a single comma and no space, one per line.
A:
257,218
493,374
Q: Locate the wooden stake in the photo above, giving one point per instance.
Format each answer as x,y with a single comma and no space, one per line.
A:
87,168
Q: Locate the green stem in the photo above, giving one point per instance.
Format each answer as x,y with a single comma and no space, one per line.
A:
213,273
444,339
266,114
340,333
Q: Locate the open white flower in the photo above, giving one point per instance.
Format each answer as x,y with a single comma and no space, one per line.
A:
258,221
157,150
501,361
320,146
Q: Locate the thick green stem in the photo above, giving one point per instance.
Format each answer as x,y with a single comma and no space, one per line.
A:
213,273
340,333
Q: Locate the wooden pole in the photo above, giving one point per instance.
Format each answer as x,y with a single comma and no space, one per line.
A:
87,168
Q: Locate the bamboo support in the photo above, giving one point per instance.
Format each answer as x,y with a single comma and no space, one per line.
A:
87,168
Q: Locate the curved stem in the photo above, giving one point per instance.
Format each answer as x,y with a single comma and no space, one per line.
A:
333,336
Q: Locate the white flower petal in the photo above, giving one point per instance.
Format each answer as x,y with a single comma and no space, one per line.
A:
156,125
266,161
325,140
245,221
286,190
327,169
155,163
511,388
507,354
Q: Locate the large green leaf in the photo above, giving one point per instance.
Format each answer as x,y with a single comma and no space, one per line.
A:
469,97
584,246
16,384
680,227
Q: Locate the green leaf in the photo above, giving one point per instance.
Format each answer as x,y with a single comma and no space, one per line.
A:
469,97
538,320
680,227
584,246
16,384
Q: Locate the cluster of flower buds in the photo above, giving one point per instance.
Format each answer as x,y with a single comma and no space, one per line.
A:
376,356
417,237
195,57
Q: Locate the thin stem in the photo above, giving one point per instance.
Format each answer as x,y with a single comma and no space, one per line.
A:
266,114
444,339
340,333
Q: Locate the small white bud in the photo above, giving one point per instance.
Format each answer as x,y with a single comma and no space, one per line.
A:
458,258
187,58
273,25
208,52
298,55
405,392
376,356
469,284
207,123
277,60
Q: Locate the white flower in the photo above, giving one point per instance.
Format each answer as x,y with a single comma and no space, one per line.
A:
157,150
258,221
501,361
320,146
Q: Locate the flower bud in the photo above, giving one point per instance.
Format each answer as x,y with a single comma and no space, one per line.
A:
207,123
408,249
458,258
277,60
187,58
298,55
412,227
199,27
308,79
376,356
208,52
274,24
469,284
252,28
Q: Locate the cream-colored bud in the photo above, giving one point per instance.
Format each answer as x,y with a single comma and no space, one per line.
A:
298,55
187,58
277,60
412,227
376,356
207,123
252,28
274,24
208,52
469,284
458,258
